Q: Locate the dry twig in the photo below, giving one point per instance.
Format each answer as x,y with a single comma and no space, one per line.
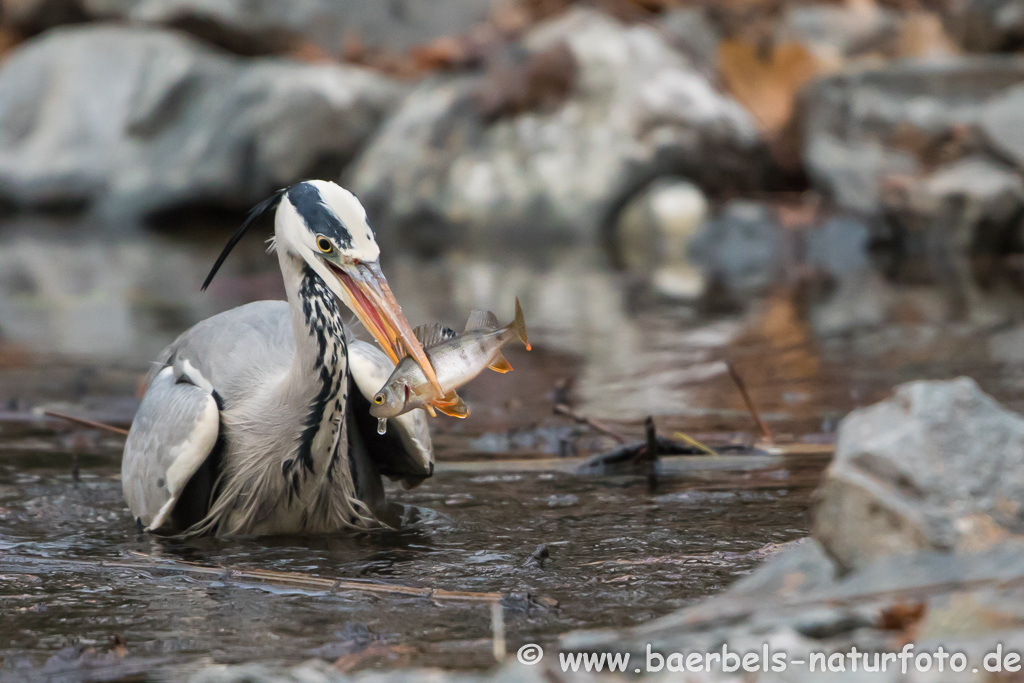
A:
86,423
766,433
562,409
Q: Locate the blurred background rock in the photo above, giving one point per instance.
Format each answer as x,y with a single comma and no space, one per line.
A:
709,152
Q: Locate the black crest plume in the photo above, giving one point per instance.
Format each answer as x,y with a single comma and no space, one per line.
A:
257,211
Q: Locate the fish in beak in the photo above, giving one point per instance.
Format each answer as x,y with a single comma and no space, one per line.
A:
370,298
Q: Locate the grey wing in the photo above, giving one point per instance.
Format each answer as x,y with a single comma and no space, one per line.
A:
174,432
404,451
233,351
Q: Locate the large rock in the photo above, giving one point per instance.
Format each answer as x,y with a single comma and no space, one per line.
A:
267,26
868,134
937,467
143,120
631,109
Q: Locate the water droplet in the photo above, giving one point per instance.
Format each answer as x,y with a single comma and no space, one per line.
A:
382,425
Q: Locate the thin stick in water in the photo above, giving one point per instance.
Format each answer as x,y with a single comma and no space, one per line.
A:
86,423
562,409
766,433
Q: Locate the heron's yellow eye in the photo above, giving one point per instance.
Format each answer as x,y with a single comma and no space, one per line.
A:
324,244
378,399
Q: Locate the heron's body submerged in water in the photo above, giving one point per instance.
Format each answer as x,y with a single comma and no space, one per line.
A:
256,421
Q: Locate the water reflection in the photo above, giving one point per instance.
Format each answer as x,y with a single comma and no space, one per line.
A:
811,346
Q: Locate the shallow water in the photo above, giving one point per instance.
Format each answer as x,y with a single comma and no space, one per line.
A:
620,554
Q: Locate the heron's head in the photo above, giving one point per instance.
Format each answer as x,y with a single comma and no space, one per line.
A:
326,226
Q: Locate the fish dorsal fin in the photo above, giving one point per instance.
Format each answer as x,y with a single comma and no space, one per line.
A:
433,334
452,405
481,320
500,364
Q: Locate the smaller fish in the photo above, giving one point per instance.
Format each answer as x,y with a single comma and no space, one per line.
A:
456,359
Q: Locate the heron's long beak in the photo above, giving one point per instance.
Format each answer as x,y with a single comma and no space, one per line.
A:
370,298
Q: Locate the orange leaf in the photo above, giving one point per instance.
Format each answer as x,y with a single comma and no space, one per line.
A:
767,84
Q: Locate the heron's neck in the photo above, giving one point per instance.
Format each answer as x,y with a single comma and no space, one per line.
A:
320,367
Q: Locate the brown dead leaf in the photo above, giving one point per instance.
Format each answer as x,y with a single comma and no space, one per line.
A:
767,81
902,617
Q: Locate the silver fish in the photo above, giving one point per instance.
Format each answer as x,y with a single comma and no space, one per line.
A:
455,358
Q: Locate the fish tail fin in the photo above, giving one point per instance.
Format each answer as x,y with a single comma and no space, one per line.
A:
453,406
500,364
518,326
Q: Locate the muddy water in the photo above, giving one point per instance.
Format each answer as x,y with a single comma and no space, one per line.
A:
620,554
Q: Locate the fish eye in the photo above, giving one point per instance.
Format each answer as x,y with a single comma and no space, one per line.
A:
324,244
378,399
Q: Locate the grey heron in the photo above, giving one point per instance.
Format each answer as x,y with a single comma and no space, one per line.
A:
256,420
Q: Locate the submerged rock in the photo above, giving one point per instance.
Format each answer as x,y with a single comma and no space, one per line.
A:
141,121
741,249
605,108
839,247
936,467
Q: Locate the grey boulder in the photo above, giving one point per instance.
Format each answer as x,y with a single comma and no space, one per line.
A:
938,466
869,134
138,121
450,166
